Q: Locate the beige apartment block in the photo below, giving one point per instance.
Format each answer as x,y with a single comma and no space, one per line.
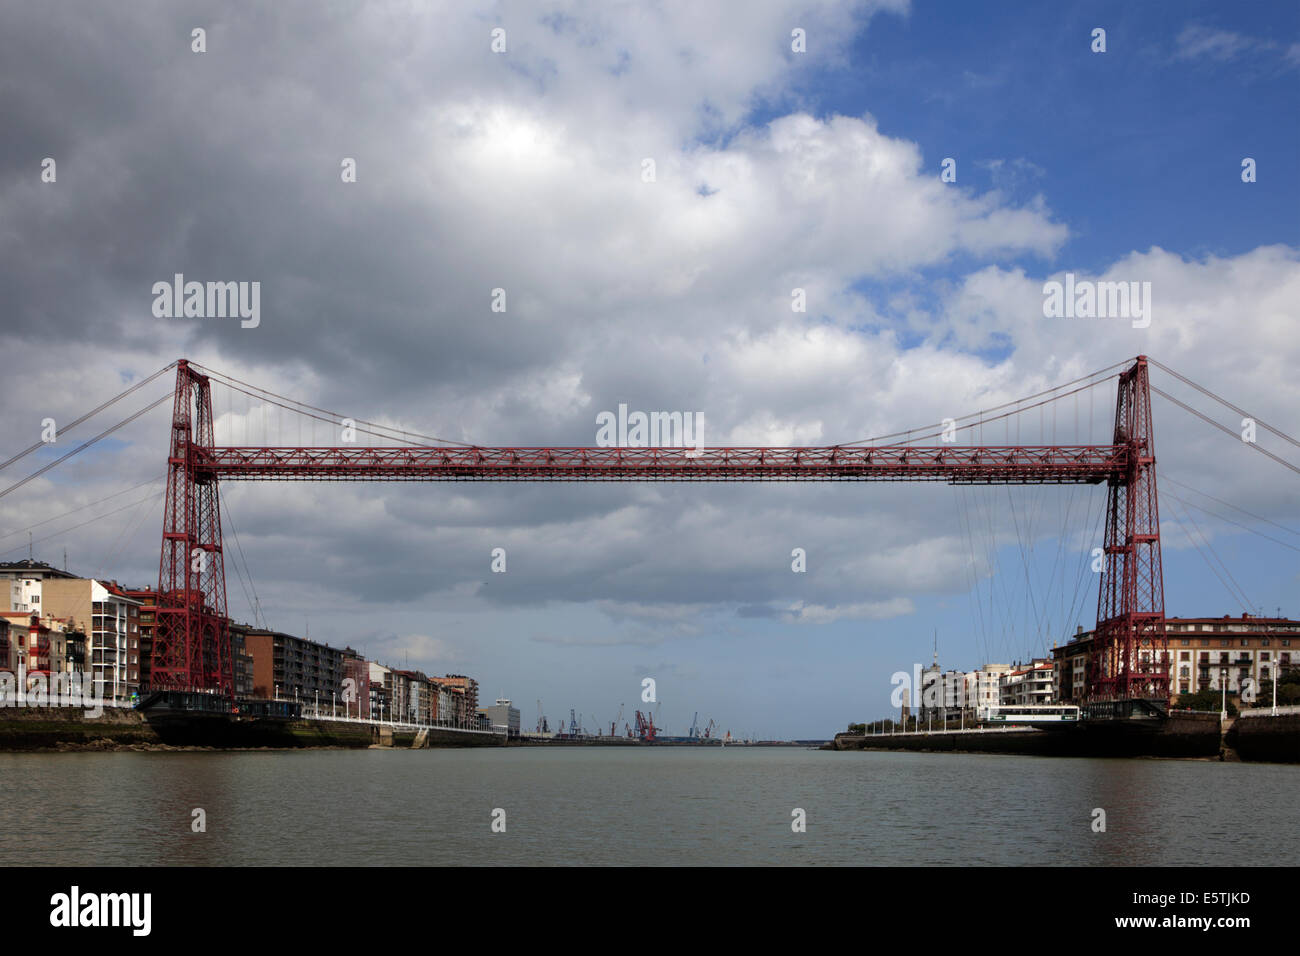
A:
111,622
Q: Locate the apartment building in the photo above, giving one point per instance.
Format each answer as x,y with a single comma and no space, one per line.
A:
33,647
286,667
414,697
1205,653
241,663
148,615
355,696
983,688
942,692
381,704
1209,653
446,705
21,584
1031,684
110,620
464,700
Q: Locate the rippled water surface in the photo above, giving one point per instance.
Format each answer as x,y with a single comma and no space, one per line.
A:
595,805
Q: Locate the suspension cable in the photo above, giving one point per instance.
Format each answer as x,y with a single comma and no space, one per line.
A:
336,418
71,425
10,534
1223,428
1223,401
48,537
1228,504
1237,594
979,423
1019,403
230,519
1215,514
84,445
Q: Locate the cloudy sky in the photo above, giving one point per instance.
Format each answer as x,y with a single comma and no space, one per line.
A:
525,168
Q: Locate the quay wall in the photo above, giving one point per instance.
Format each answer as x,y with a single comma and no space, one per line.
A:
68,728
54,728
1266,738
1181,736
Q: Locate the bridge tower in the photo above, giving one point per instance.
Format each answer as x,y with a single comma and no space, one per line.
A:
1130,654
191,644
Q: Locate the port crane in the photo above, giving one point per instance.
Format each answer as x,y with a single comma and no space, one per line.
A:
694,732
645,727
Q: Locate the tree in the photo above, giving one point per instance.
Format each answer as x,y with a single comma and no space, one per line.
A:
1206,700
857,730
1288,689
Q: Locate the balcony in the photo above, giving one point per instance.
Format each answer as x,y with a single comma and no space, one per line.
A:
1240,663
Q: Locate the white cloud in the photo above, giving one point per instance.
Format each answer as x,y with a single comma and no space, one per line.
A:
477,171
1197,40
870,610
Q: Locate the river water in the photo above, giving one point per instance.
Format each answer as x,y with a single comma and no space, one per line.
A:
658,806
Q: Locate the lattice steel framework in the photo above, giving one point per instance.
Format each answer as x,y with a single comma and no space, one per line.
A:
191,643
1130,655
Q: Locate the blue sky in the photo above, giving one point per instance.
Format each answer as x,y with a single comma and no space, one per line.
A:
1134,147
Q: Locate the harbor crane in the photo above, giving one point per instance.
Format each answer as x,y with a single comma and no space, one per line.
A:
645,727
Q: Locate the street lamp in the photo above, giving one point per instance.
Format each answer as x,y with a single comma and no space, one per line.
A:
1223,686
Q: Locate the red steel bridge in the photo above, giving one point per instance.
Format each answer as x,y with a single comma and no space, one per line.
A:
191,647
